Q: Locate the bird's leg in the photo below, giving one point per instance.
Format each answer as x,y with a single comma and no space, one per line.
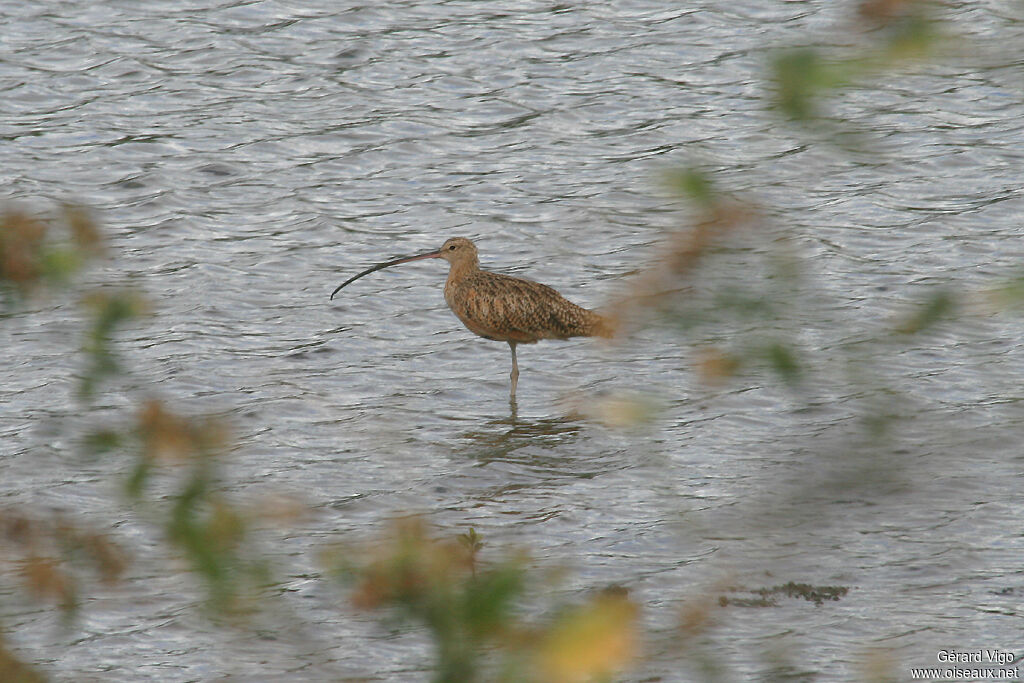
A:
515,371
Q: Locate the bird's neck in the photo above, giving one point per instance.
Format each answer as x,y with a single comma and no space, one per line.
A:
462,270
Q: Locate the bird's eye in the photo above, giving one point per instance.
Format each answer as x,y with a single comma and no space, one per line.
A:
451,248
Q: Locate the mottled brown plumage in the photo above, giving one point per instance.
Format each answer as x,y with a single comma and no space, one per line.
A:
504,308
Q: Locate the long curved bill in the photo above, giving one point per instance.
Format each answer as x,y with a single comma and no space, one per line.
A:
404,259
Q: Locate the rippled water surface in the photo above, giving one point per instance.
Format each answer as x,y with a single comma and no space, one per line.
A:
246,157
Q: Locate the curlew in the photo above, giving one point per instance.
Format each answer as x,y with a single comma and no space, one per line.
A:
501,307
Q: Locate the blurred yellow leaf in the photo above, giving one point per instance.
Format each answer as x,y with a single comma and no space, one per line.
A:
591,643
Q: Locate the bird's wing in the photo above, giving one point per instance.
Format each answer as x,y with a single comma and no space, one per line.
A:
512,309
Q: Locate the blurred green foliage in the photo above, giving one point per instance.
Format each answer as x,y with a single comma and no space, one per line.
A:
40,255
435,583
938,306
108,310
36,253
470,609
889,34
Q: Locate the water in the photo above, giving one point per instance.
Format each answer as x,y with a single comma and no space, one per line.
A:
247,157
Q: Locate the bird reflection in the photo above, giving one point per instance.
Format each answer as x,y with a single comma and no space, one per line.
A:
501,439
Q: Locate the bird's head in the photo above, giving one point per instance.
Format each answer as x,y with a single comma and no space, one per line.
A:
458,250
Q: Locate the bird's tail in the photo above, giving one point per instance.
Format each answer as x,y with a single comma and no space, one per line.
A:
605,326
